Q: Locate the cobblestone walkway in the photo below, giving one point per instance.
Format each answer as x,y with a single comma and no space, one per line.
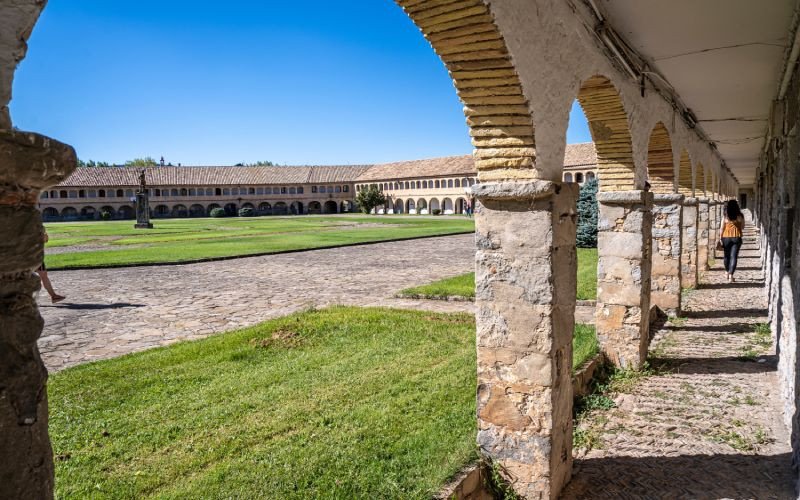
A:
110,312
707,424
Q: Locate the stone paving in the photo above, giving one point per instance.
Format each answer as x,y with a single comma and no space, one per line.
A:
110,312
707,424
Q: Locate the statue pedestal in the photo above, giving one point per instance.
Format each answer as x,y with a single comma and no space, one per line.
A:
142,211
143,225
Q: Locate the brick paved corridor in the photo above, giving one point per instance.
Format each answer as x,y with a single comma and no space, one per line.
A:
708,423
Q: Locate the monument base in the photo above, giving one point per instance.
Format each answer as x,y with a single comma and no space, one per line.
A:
143,225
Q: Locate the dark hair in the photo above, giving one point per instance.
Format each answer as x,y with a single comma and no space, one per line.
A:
731,210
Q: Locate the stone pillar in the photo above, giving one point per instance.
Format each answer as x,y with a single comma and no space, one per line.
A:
713,229
28,163
665,290
526,272
702,235
623,276
689,244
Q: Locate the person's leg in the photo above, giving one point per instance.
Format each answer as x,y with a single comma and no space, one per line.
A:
726,249
49,286
736,244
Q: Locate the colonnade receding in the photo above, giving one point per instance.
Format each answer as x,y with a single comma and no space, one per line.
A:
525,230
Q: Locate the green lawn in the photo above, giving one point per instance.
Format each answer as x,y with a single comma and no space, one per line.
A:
183,240
340,403
464,285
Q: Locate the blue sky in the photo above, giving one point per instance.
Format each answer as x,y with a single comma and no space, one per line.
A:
202,82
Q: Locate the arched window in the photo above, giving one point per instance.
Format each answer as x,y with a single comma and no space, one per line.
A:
260,190
120,193
226,191
81,193
449,183
338,189
268,190
437,184
192,192
62,194
218,192
54,194
346,188
589,176
567,177
129,193
251,191
44,195
173,192
458,183
283,190
300,190
330,189
419,185
184,192
292,190
92,193
579,177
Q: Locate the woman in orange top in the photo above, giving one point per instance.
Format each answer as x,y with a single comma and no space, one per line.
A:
730,234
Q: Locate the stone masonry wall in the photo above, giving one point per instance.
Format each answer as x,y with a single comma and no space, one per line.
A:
775,210
666,253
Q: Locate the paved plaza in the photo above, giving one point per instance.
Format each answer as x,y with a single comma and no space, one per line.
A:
110,312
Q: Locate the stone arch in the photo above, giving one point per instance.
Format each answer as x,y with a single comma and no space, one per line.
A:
212,207
699,180
399,206
345,206
125,212
447,206
50,214
296,208
88,213
434,205
460,206
314,207
280,208
660,164
161,211
685,175
330,207
608,124
196,210
248,205
422,206
463,34
69,213
180,210
411,206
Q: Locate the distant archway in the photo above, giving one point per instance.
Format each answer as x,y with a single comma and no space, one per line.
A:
330,207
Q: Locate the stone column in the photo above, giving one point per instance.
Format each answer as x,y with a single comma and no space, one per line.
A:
702,235
623,276
689,244
665,290
713,230
526,272
28,163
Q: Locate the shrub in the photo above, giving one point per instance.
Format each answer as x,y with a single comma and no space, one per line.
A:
218,212
105,215
246,212
587,215
436,211
370,199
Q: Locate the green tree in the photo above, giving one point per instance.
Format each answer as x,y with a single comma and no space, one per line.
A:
587,215
256,164
142,162
368,199
92,163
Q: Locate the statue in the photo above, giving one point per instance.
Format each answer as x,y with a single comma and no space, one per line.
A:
142,205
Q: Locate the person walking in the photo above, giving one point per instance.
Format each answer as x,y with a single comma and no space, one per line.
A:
42,271
730,236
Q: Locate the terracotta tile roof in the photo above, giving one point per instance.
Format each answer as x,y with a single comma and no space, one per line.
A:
432,167
579,155
576,155
211,176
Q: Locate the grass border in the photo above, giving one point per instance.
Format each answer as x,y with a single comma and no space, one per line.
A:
259,254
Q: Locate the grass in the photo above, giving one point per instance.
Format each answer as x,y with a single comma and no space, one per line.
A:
186,240
463,285
584,345
341,402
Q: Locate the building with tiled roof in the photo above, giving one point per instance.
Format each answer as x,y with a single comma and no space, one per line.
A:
434,185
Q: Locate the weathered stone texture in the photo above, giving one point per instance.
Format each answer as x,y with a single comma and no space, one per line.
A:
665,290
702,235
623,276
689,278
525,300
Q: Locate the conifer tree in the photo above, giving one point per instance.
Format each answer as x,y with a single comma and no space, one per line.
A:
587,215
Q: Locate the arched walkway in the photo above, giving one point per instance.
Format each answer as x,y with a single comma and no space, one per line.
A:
314,207
330,207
